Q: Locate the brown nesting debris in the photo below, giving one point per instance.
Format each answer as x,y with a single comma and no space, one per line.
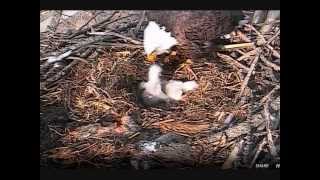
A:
99,95
186,129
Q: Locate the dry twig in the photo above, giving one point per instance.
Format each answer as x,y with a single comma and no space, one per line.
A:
241,45
273,37
270,64
268,127
117,35
247,55
140,22
61,73
230,60
233,156
262,41
264,99
246,79
94,26
92,18
258,152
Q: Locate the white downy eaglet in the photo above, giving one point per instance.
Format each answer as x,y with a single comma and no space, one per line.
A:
173,88
153,86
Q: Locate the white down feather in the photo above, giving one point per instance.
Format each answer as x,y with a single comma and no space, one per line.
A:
174,89
153,86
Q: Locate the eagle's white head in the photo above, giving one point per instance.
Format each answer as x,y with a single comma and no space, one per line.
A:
156,40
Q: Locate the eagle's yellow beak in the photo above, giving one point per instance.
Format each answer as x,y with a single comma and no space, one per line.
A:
152,57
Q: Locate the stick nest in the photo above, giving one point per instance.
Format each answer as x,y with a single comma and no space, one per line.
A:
91,116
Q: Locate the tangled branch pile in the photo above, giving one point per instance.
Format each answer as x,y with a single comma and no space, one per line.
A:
91,116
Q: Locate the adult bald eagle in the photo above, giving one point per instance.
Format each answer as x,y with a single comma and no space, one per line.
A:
195,31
